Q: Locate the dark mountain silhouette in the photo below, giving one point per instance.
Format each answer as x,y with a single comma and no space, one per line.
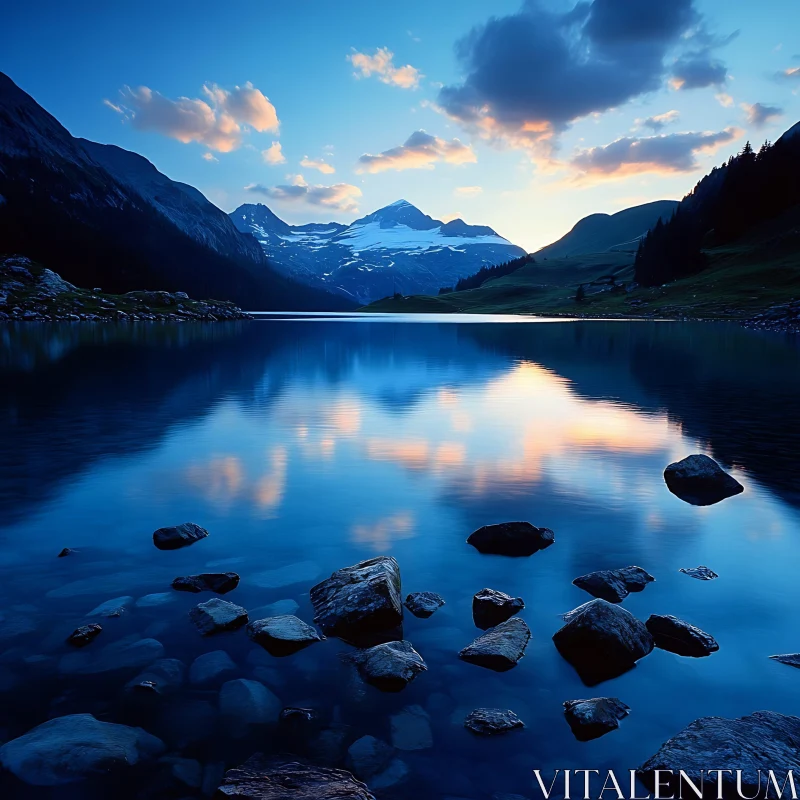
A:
102,216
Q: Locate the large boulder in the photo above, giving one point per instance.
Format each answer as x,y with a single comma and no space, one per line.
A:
499,648
219,582
678,636
389,667
283,635
699,480
511,539
602,640
216,616
76,747
492,721
490,608
262,778
178,536
361,604
748,747
614,585
591,719
423,604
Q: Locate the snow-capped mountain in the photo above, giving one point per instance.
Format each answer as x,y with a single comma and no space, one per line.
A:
394,249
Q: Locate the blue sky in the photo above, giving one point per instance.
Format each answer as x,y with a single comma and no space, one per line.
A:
530,123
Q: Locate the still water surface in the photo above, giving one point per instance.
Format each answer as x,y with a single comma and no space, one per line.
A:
308,445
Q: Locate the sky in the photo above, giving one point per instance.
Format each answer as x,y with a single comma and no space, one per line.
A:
524,115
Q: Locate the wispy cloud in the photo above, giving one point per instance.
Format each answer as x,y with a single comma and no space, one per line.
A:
790,73
420,151
659,121
218,121
725,100
468,191
760,115
209,157
665,154
339,196
274,154
318,164
381,64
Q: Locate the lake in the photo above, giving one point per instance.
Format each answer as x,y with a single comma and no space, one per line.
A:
308,444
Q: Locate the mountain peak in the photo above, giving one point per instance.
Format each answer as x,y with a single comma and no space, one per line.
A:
792,133
401,212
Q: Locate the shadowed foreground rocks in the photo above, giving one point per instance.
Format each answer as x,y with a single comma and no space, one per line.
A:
591,719
680,637
614,585
700,481
389,667
261,778
511,539
499,648
177,536
762,741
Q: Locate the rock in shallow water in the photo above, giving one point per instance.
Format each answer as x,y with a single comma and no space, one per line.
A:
423,604
124,654
678,636
700,481
411,729
614,585
762,741
219,582
243,703
511,539
76,747
792,659
390,666
490,608
112,608
284,635
602,640
499,648
368,756
84,635
492,721
591,719
211,669
262,778
178,536
701,573
216,616
361,604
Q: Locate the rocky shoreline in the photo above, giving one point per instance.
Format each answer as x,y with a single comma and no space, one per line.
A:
32,293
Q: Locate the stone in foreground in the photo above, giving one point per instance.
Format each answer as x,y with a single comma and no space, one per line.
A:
490,608
602,641
361,604
591,719
511,539
499,648
368,756
700,573
700,481
492,721
389,667
283,635
423,604
262,778
678,636
178,536
76,747
216,616
219,582
84,635
792,659
762,741
614,585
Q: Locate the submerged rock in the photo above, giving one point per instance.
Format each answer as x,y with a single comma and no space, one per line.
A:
511,539
262,778
361,604
211,669
76,747
277,609
112,608
368,756
701,573
792,659
678,636
614,585
423,604
243,703
602,640
301,572
155,600
84,635
411,729
389,667
216,616
124,654
67,551
591,719
178,536
284,635
219,582
160,677
492,721
762,741
699,480
499,648
490,607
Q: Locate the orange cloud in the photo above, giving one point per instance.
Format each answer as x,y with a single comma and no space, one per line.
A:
381,64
